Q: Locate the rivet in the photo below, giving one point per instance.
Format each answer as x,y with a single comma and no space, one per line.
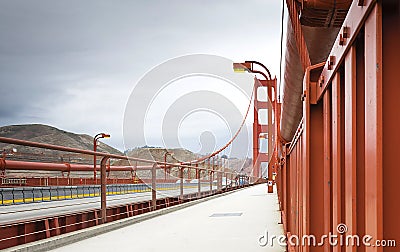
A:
341,40
344,35
303,96
321,80
331,62
345,32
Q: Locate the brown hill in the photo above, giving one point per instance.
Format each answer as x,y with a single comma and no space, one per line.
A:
51,135
158,154
183,155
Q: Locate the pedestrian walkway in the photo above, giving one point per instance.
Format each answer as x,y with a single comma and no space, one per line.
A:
234,222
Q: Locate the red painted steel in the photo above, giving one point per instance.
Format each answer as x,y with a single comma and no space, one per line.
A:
341,166
373,126
327,172
294,11
330,4
337,153
153,187
103,194
258,129
353,23
292,88
350,158
62,167
391,121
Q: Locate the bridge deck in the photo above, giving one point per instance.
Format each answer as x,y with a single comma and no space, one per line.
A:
230,223
32,211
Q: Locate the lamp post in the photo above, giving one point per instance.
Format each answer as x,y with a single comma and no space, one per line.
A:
97,137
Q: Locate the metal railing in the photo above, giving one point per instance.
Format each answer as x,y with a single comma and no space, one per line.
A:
83,209
154,165
18,195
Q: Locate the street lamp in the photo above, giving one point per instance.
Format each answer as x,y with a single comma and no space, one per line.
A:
97,137
247,66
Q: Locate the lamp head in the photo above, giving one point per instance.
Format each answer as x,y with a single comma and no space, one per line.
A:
103,135
242,67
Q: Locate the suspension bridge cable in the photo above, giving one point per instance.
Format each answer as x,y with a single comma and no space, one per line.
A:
230,141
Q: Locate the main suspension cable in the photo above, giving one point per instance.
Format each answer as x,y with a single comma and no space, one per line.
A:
230,141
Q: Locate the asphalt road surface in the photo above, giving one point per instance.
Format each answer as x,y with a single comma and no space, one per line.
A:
34,211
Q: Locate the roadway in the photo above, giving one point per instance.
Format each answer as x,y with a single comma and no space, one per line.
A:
38,210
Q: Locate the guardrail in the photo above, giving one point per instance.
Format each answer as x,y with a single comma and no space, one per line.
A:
103,169
18,195
86,214
33,229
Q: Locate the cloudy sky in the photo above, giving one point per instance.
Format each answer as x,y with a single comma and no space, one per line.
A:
74,64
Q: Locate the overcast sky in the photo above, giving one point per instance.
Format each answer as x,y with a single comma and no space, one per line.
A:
74,64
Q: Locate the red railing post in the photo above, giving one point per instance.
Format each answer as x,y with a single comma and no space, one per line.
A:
198,181
103,193
219,181
153,187
210,176
94,160
181,183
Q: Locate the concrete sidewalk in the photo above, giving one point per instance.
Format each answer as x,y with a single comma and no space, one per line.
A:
234,222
